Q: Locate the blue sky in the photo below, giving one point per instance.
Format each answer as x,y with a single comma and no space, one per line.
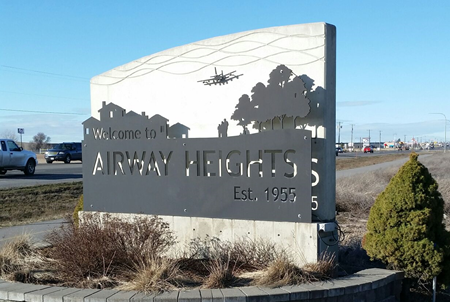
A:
392,56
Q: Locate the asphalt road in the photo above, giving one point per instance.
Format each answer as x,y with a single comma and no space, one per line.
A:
45,174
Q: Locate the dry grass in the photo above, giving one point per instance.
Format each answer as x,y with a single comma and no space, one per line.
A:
98,253
18,259
282,272
356,195
38,203
221,274
363,161
131,256
153,275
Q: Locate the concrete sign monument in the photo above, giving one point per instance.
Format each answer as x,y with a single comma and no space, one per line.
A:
239,142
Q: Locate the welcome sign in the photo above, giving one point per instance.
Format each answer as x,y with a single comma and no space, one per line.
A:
234,127
260,176
133,167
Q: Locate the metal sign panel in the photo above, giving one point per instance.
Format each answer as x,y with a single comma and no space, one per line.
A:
131,166
249,78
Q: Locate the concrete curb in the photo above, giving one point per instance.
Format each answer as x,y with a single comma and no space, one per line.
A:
367,285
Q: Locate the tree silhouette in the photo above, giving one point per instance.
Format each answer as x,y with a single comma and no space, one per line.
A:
282,97
279,76
243,108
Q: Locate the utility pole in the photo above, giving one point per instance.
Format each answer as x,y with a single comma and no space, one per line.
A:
379,142
339,131
369,137
351,140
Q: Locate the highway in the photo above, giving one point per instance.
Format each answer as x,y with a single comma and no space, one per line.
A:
45,174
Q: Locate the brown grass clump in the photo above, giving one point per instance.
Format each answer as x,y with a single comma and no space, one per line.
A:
153,275
18,259
222,274
282,271
131,256
207,263
100,252
244,254
254,255
323,269
218,263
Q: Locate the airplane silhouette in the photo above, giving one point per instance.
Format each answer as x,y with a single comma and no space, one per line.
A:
220,78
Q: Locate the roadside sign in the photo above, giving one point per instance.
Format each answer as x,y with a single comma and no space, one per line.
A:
20,130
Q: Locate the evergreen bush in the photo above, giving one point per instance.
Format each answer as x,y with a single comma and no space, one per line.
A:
405,226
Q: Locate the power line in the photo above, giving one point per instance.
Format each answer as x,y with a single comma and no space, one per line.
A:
48,96
46,112
44,72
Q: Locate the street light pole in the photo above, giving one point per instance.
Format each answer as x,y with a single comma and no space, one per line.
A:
445,129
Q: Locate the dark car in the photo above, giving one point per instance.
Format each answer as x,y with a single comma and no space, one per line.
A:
65,152
368,149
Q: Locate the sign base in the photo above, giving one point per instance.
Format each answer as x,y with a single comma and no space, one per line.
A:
304,242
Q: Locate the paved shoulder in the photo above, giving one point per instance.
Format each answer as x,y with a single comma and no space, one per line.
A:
37,230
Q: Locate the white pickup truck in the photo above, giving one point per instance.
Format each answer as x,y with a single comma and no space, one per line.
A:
13,157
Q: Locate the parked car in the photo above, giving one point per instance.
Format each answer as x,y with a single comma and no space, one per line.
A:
13,157
368,149
65,152
339,150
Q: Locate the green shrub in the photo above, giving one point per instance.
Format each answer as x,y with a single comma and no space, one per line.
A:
405,226
78,208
